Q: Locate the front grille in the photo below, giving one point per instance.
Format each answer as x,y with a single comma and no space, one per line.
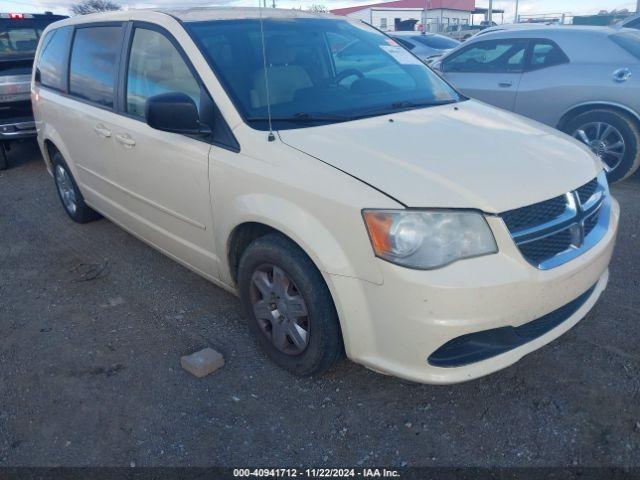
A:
586,191
555,231
591,222
538,251
527,217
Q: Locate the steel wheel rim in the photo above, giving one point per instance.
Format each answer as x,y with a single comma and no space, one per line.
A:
65,188
280,309
605,141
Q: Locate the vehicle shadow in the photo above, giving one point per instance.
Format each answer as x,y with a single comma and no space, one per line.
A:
21,153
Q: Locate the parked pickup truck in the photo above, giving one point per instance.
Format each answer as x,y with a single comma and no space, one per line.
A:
19,35
465,32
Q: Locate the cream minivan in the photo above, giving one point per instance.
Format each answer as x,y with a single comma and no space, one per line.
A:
352,199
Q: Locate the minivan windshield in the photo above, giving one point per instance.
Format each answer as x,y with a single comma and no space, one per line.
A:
317,70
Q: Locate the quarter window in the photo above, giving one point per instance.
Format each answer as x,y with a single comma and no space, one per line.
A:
49,71
546,54
94,60
497,56
156,67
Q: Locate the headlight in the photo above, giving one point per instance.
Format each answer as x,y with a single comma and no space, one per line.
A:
428,239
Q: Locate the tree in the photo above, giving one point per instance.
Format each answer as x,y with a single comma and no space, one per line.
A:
93,6
318,9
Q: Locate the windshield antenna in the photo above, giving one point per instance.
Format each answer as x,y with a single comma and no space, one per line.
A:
271,136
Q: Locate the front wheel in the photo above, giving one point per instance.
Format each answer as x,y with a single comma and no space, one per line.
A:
613,136
288,305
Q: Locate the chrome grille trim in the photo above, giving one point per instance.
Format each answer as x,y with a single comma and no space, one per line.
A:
561,239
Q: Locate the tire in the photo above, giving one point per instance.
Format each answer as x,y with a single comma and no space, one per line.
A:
324,345
4,160
622,166
69,193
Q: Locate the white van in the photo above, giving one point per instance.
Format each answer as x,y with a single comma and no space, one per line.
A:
353,200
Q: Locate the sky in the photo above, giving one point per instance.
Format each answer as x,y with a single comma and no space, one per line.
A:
574,7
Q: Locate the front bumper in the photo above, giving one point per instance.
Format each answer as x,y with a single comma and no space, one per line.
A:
395,327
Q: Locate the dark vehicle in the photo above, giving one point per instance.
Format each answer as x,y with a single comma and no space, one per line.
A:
19,35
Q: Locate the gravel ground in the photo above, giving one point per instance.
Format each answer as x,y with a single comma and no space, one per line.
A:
93,324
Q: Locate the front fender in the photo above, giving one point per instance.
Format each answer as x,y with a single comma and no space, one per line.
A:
349,255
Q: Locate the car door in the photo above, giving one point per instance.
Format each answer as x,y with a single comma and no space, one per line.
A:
548,85
488,70
86,115
164,175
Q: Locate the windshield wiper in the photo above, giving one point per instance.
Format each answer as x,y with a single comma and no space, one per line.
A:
404,105
303,117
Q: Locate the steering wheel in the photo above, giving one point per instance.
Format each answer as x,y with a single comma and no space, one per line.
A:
350,72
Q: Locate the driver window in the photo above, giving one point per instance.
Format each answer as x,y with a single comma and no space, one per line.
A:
156,67
498,56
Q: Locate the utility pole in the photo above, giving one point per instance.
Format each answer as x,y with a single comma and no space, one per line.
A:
638,7
516,16
425,15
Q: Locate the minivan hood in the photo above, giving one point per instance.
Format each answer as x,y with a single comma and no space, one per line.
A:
464,155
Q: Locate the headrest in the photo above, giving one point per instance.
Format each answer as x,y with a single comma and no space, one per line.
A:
278,52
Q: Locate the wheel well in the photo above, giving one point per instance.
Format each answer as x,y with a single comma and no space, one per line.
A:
51,151
566,118
241,238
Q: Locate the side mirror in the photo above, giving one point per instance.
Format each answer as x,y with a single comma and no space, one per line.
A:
174,112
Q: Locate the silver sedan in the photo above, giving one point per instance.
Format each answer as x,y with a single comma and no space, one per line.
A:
584,81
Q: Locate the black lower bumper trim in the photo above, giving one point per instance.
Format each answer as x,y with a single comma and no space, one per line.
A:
475,347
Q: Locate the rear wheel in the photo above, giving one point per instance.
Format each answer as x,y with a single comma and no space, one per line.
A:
613,136
288,306
69,193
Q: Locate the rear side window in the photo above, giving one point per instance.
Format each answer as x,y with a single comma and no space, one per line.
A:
546,54
629,40
53,56
497,56
437,42
156,67
94,60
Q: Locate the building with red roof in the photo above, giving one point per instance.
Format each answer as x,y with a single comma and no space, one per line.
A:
399,14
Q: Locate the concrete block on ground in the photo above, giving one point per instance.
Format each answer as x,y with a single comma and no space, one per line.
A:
202,363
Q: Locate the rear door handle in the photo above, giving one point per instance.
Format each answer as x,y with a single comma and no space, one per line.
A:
505,84
102,131
125,140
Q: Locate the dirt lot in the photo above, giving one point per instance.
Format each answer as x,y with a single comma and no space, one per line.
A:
93,323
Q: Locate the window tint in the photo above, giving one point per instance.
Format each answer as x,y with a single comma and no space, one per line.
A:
53,58
546,54
634,24
498,56
94,60
156,67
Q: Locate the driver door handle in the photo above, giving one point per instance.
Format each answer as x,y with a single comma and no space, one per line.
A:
505,84
125,140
